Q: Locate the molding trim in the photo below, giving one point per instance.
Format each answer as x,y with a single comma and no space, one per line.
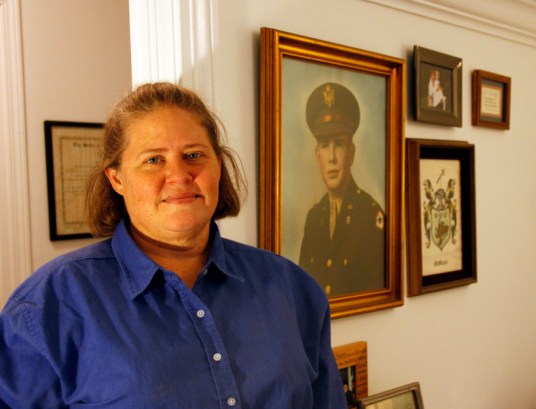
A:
469,21
174,40
15,241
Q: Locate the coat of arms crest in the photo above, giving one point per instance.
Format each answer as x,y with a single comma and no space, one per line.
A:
440,214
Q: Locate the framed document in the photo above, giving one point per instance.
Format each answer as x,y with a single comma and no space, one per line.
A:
491,100
72,150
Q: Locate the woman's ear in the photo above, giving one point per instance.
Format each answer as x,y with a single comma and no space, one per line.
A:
114,177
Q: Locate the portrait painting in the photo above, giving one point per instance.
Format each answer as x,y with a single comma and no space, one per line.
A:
345,252
331,165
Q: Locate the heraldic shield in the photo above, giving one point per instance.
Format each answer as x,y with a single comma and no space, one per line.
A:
440,214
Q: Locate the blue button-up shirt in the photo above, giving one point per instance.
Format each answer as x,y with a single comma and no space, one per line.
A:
106,327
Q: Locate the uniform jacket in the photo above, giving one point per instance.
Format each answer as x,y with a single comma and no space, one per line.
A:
354,259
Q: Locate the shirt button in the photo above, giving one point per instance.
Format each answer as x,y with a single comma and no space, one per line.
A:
200,314
231,401
216,357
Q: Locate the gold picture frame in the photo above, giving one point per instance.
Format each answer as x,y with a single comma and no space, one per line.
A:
291,67
352,362
441,220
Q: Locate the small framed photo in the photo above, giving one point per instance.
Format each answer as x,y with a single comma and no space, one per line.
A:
331,167
491,100
352,362
404,397
438,87
72,150
441,222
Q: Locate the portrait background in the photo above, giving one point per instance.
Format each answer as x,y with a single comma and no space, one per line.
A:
302,185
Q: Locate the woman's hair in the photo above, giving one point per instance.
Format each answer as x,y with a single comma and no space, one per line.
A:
104,207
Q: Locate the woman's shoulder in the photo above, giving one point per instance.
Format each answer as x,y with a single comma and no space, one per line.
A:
60,269
264,266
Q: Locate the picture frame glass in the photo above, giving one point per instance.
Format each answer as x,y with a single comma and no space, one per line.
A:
72,151
403,401
491,101
436,91
441,219
302,183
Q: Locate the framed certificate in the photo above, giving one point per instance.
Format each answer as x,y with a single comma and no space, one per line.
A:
72,150
491,100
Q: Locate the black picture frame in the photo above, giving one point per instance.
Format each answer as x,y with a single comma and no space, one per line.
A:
441,216
72,150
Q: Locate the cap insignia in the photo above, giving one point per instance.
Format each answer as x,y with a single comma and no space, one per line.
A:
329,96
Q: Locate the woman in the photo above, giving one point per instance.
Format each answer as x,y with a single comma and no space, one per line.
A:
166,313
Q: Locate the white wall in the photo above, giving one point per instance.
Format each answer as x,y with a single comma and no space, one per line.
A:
470,347
76,66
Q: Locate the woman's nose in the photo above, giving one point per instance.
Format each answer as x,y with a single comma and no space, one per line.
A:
179,171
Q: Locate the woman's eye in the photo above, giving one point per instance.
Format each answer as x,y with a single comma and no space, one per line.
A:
193,155
153,161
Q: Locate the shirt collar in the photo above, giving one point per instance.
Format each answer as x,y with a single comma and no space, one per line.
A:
138,269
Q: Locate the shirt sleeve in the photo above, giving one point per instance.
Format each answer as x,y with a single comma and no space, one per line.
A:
27,379
328,390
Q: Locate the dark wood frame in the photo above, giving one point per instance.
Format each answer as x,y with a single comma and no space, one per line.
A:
413,388
418,149
277,45
355,355
502,85
448,63
62,139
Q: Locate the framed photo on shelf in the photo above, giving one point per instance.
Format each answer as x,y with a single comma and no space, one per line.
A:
332,132
353,367
441,219
491,100
72,150
438,87
404,397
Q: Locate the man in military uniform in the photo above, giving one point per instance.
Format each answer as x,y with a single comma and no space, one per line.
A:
343,245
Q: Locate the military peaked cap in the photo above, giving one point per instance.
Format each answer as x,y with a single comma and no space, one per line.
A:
332,109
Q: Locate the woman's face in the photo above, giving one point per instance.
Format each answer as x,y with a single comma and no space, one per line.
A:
168,176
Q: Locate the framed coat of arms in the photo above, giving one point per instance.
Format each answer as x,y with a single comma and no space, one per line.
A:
441,225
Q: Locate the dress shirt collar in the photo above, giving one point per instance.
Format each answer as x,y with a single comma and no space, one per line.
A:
138,269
